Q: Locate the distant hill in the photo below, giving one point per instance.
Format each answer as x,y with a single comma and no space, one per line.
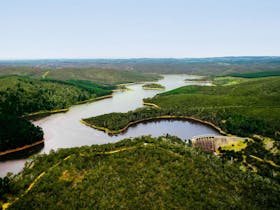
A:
96,75
205,66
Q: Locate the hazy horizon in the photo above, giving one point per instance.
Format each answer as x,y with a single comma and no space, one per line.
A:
131,58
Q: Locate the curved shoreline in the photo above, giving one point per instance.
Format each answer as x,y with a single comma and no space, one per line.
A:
43,113
28,146
163,117
93,99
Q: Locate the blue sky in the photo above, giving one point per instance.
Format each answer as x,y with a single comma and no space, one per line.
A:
138,28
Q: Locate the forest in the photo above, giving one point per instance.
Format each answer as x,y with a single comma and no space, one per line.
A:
144,173
256,74
248,108
94,75
153,86
17,132
251,107
22,95
18,93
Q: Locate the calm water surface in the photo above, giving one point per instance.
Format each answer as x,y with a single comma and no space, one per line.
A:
64,130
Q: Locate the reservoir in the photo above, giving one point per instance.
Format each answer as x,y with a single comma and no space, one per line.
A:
64,130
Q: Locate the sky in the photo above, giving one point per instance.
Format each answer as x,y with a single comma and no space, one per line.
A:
39,29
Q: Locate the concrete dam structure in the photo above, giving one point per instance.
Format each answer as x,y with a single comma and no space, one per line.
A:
211,143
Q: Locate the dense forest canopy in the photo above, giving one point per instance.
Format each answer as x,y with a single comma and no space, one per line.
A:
244,104
17,132
18,94
23,95
145,173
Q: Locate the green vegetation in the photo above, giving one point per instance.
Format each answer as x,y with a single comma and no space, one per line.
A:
224,81
199,79
19,70
196,66
21,95
256,157
142,173
256,74
93,88
104,76
53,89
18,94
200,66
122,88
17,132
248,108
95,75
116,121
153,86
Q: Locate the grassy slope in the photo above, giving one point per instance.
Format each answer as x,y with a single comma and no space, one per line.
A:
144,173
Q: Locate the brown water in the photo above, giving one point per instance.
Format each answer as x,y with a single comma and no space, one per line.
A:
64,130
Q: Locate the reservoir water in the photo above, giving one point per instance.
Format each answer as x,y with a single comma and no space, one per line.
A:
64,130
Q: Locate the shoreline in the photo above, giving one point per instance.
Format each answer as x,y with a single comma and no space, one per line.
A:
40,114
28,146
93,99
163,117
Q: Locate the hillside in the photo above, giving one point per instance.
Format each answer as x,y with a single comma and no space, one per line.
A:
20,96
95,75
145,173
247,108
250,107
203,66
